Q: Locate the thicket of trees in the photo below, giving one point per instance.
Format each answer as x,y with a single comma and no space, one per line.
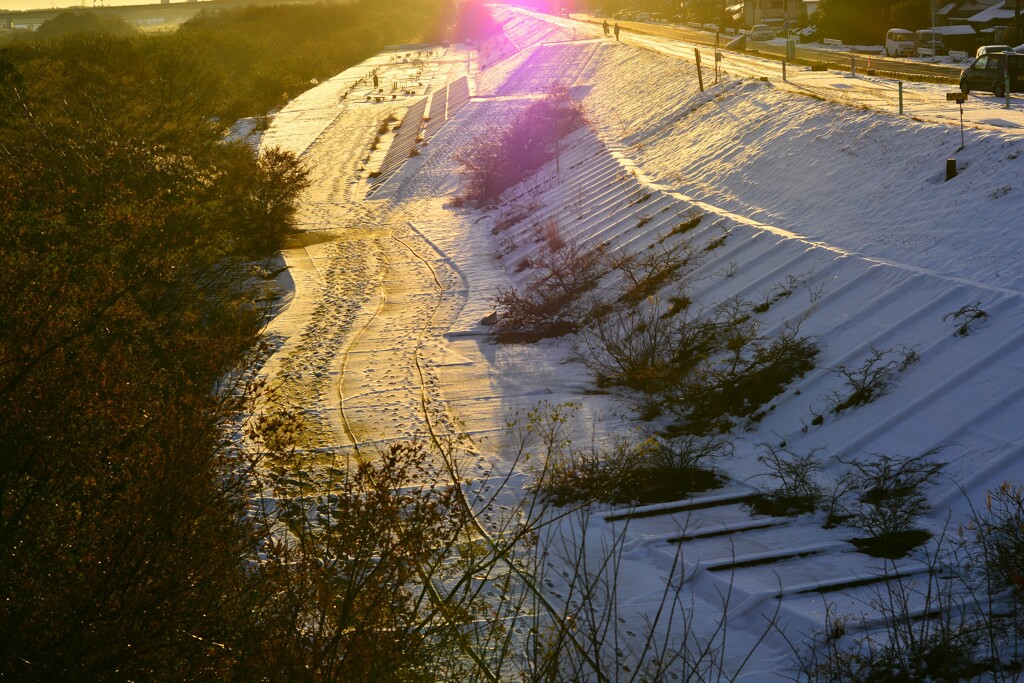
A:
260,56
128,233
84,22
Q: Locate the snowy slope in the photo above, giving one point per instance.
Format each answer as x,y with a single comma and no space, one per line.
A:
853,204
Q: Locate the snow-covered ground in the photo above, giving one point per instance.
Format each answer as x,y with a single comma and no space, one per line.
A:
819,186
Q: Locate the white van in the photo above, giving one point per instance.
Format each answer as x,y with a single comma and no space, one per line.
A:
899,42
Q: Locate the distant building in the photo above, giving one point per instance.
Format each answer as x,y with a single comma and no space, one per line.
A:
734,13
977,13
773,12
990,19
996,15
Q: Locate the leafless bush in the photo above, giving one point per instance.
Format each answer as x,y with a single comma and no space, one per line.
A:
999,539
965,317
548,232
688,452
551,301
504,156
589,474
718,241
632,348
693,219
573,270
676,642
626,469
795,475
777,293
928,628
640,195
647,271
702,366
890,494
346,555
872,379
956,619
507,244
514,213
740,375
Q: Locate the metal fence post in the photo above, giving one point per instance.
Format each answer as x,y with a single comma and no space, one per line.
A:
901,97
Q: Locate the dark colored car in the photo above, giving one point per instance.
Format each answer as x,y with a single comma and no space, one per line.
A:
988,73
989,49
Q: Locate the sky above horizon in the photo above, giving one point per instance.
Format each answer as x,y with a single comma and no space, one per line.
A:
23,5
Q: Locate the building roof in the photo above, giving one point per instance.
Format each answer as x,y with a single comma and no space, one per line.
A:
955,30
993,13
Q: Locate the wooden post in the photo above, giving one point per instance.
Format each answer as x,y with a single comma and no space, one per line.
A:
700,76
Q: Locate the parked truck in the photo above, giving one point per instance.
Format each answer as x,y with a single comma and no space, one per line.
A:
928,42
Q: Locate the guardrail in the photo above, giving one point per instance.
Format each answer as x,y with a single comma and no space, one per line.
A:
827,60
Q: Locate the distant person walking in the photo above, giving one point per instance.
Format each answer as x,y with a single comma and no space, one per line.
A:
605,27
616,30
376,82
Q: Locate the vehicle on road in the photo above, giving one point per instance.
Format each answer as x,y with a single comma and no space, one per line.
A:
989,49
988,73
761,32
928,42
899,42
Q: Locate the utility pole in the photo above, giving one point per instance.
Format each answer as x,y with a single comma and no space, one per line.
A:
1016,23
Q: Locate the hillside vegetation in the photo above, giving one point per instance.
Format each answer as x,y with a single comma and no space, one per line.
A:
130,292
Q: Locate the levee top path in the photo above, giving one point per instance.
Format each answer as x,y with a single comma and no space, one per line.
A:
382,338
